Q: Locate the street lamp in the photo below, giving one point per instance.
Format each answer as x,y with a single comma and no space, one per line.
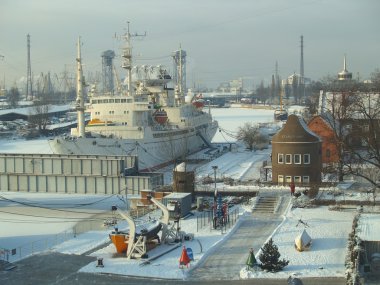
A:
215,167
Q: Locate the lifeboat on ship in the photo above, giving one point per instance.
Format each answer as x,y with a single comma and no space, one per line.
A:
199,103
97,122
150,231
160,116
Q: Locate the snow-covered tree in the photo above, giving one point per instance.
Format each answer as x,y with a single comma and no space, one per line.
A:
270,258
250,134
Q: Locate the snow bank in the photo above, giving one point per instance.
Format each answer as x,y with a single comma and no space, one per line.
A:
329,232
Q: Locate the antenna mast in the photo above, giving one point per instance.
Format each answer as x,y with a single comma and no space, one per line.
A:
301,64
29,91
80,97
127,56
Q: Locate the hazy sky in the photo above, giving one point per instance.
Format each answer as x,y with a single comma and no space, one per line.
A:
224,39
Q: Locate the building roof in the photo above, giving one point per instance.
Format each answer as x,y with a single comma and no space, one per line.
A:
295,130
177,195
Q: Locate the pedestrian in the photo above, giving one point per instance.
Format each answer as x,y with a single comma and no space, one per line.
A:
292,188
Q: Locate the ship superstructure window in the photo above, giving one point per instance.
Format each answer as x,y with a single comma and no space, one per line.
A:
306,158
117,100
297,159
111,101
280,158
111,112
288,159
123,100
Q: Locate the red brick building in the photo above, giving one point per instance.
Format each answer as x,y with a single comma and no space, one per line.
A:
320,127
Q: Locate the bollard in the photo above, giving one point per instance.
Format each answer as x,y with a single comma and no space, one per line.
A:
100,262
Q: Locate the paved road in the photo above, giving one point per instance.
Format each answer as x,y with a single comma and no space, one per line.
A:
229,257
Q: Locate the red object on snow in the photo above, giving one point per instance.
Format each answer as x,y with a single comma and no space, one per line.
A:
292,188
184,260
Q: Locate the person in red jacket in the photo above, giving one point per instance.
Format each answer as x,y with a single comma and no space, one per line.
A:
292,188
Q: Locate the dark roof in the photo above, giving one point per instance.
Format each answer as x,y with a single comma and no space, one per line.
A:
295,130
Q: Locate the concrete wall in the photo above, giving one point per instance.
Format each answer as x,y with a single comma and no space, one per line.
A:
72,174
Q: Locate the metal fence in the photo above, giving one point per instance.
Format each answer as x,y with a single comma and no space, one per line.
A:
20,252
95,223
206,219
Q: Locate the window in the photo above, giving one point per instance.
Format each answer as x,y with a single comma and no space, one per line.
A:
288,159
297,159
280,158
306,158
288,179
280,179
117,100
305,179
328,153
366,128
297,179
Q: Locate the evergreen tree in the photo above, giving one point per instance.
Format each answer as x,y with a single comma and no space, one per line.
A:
251,260
270,258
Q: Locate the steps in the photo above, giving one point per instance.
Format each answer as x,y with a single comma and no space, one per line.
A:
265,204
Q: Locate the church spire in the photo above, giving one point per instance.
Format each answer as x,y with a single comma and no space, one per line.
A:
344,74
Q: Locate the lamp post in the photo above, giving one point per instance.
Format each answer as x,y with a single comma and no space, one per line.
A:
215,167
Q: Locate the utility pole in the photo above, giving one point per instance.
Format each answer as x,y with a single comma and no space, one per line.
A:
2,58
302,73
29,90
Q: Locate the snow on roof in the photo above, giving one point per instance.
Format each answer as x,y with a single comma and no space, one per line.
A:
30,110
369,227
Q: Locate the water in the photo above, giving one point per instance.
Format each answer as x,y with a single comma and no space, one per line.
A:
230,119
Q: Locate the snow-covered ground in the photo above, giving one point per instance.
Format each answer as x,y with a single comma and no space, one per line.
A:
329,230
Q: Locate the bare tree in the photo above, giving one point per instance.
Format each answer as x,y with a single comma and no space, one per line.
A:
364,140
13,97
251,135
40,115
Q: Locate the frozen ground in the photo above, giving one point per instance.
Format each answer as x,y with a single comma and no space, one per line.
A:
329,232
24,221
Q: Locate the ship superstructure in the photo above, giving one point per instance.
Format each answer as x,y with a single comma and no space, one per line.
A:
150,119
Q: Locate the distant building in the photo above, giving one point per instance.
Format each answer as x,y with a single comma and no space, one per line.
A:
296,154
355,112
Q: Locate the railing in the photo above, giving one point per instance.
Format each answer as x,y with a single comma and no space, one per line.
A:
206,219
30,248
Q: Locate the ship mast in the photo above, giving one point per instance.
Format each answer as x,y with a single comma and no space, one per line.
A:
127,56
79,106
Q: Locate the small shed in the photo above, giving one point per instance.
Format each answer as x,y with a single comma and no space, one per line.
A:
183,179
178,204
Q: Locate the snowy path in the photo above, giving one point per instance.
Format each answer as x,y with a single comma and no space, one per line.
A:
227,260
253,231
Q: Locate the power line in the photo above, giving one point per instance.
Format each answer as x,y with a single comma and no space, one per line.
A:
48,208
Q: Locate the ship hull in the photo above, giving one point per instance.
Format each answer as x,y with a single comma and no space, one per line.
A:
158,150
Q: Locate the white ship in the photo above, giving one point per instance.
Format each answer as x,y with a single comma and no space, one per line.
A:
156,122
